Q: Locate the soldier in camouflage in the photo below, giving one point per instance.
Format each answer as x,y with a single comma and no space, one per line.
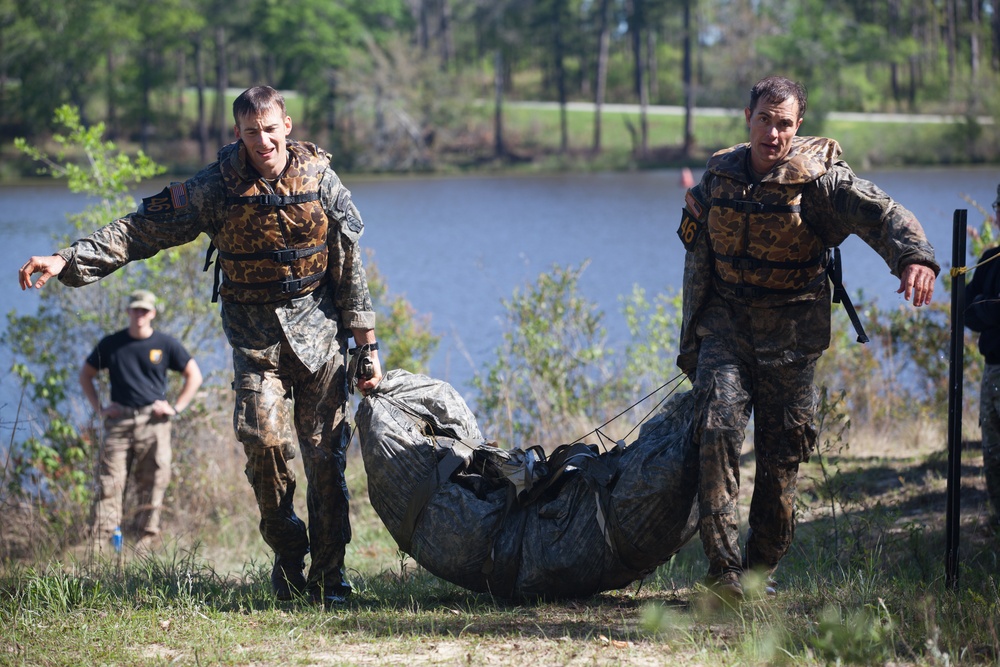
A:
293,291
756,313
982,295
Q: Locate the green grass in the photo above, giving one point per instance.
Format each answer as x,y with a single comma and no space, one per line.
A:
862,586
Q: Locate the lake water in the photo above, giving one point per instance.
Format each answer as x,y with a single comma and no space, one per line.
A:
455,247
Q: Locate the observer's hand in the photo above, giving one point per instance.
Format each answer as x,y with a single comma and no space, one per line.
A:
917,281
48,265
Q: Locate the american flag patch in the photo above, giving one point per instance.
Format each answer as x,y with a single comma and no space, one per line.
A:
178,195
693,205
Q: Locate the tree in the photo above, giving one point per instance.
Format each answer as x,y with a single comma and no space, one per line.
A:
601,83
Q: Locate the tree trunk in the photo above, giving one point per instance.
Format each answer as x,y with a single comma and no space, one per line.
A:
423,26
221,84
600,86
995,25
951,37
447,37
651,66
199,67
112,102
498,148
976,21
561,75
181,84
636,21
687,76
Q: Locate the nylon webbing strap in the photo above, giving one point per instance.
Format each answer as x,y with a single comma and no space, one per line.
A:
282,255
273,199
836,271
288,286
753,263
746,206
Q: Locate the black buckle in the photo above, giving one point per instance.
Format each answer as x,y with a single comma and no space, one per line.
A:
285,255
290,286
269,199
747,206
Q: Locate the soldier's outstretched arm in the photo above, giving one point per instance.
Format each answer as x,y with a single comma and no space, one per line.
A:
48,265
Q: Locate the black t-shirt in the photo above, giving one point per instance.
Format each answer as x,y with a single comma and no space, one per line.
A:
138,368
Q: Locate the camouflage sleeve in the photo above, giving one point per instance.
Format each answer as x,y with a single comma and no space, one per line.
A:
697,273
846,204
173,217
345,268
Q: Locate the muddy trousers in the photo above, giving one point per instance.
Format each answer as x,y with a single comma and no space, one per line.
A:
136,448
278,402
989,422
783,401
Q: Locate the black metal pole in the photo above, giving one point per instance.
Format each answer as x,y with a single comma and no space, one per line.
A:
956,378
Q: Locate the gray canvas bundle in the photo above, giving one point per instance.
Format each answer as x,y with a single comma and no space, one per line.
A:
522,523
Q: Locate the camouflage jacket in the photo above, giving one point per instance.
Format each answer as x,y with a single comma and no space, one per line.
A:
835,204
182,211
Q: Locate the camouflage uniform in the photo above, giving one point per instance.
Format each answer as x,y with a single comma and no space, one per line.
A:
285,352
756,349
982,295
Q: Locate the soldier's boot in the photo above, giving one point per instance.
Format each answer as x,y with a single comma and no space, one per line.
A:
331,591
756,573
287,577
331,596
726,585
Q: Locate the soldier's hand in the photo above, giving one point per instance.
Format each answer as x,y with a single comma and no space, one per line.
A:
367,384
917,282
48,265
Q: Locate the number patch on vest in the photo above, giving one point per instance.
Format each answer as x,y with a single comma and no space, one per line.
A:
690,230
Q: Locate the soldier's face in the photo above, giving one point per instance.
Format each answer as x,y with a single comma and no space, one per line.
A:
264,136
772,127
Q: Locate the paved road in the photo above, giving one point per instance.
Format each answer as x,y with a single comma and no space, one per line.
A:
717,111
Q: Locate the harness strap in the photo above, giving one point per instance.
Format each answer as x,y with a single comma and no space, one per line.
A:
288,285
746,206
753,263
835,270
272,199
281,256
755,292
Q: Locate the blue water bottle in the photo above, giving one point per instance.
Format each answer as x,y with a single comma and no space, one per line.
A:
116,539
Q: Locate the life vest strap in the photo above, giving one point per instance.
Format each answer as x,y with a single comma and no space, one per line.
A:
281,256
747,206
273,199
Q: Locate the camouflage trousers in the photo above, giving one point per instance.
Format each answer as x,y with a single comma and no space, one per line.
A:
989,422
729,384
279,401
136,445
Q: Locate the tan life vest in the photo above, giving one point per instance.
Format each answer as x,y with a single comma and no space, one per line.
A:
760,243
272,245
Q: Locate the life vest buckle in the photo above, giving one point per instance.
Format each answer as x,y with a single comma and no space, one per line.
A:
744,206
285,255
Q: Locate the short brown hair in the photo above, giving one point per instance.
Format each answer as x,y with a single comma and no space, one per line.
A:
778,89
257,101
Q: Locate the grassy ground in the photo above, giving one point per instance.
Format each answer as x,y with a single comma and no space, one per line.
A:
864,584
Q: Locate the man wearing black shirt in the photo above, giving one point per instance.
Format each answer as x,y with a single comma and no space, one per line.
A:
137,420
982,295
